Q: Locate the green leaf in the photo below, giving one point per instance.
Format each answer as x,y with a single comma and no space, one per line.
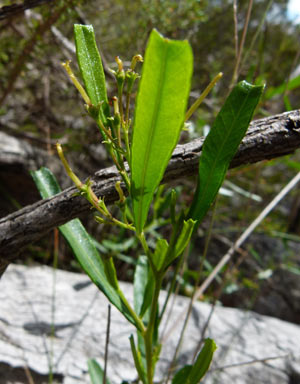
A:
192,374
184,237
90,65
110,272
160,253
96,372
159,116
140,282
202,363
143,286
138,361
222,143
81,244
182,375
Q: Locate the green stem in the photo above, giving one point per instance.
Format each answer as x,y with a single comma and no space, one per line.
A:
137,361
143,241
125,178
148,336
203,96
126,138
128,93
120,101
138,321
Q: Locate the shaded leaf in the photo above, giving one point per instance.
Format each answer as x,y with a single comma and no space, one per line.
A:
96,372
222,143
160,253
139,283
182,375
138,361
184,237
192,374
143,286
202,363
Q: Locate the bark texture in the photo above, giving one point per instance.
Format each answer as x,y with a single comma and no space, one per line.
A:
14,9
266,138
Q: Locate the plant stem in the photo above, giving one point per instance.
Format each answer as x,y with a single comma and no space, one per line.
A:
148,336
138,321
203,96
240,51
143,241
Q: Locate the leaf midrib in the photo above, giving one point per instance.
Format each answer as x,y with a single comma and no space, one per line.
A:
152,130
91,72
222,146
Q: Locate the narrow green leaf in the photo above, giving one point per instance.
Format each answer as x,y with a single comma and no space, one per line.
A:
202,363
139,283
160,253
222,143
182,376
138,361
90,65
110,272
184,237
81,243
192,374
159,116
96,372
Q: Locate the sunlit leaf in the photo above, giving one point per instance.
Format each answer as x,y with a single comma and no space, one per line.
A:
90,65
82,245
159,116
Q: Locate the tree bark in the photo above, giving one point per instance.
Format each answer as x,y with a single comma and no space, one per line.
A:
266,139
14,9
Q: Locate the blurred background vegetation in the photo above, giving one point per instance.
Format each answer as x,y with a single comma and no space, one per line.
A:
39,104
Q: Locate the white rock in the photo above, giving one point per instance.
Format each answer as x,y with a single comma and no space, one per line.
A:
80,320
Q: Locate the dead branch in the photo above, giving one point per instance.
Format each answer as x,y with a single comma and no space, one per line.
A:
14,9
266,139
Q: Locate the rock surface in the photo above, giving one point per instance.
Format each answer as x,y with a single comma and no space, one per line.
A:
251,348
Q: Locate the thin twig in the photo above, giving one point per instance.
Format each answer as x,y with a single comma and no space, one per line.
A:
266,359
258,30
29,47
14,9
242,43
106,343
28,375
238,243
247,233
236,37
192,300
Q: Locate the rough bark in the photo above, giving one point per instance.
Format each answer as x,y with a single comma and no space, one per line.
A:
14,9
266,138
